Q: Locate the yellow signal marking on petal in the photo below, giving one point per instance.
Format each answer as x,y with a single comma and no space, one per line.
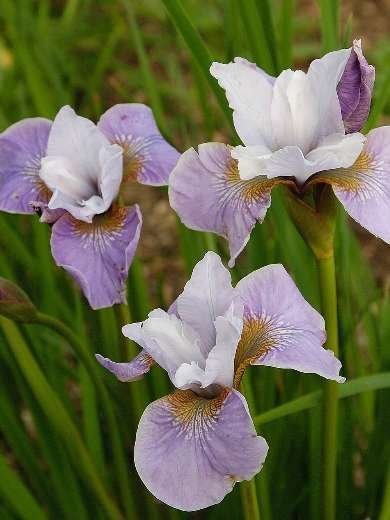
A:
194,414
44,191
250,190
351,179
257,339
111,221
132,161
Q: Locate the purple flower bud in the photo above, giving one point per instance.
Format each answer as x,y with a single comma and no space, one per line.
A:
355,89
15,304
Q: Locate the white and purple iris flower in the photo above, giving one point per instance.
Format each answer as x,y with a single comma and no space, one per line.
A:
72,171
299,129
194,444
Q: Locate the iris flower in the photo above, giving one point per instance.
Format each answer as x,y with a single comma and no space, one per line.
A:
72,172
194,444
299,129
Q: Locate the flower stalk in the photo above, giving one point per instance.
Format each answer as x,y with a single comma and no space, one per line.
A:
316,223
327,279
249,500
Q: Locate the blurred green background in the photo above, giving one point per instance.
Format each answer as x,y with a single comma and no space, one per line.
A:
66,427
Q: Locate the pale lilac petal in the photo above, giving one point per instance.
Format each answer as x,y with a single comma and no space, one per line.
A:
168,340
206,191
364,188
190,451
148,158
355,89
130,371
280,328
249,92
98,255
22,147
208,294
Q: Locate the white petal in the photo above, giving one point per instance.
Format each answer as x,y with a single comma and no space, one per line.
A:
81,167
249,92
295,111
111,164
167,339
324,75
333,152
336,151
187,375
251,160
206,295
220,362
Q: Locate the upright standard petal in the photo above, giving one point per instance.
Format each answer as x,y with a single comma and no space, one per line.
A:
324,75
295,111
147,157
206,191
355,89
219,366
208,294
98,255
364,188
249,92
22,147
81,167
280,328
130,371
190,451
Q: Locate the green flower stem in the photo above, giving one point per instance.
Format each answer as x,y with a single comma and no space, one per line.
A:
317,226
92,368
327,279
249,500
248,490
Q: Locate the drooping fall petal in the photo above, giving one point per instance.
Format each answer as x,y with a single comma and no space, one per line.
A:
206,191
98,254
280,328
190,451
22,147
147,157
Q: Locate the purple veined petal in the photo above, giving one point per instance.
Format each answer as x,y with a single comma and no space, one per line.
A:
148,158
190,451
364,188
98,255
355,89
22,146
280,328
207,193
130,371
208,294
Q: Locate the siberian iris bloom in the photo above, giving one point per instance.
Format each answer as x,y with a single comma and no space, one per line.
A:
300,129
194,444
72,172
